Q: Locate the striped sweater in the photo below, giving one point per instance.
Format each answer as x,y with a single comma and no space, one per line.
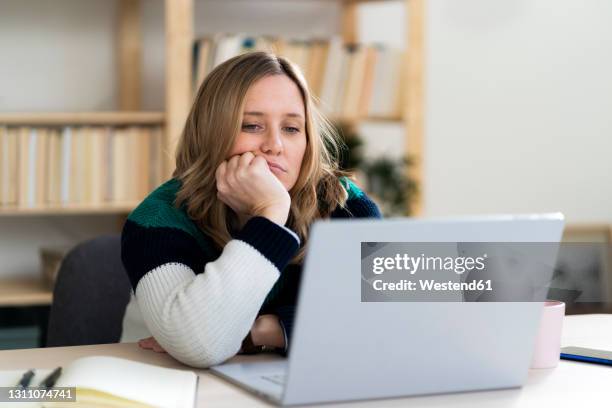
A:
199,301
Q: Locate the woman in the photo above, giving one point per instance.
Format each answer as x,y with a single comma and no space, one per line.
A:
214,255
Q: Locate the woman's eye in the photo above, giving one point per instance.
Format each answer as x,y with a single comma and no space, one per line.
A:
250,127
292,129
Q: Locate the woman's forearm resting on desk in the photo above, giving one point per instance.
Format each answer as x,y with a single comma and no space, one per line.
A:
202,319
266,331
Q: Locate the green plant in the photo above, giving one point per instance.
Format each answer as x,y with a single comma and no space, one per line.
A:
384,178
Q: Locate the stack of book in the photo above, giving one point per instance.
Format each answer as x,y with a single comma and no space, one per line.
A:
352,81
42,166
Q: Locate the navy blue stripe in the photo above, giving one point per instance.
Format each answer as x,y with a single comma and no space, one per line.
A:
269,238
359,207
144,249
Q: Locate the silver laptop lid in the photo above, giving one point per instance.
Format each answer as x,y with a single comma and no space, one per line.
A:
346,349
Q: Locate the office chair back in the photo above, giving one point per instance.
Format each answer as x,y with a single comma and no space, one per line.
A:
91,293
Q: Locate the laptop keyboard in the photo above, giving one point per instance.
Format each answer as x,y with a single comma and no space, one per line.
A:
275,378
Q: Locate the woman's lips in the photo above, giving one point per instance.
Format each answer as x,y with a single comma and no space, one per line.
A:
276,167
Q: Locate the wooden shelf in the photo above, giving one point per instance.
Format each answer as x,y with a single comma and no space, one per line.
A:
24,292
83,118
72,209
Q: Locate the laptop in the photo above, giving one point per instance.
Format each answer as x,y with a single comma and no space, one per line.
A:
346,349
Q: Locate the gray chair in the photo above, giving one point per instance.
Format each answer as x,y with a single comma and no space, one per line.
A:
90,295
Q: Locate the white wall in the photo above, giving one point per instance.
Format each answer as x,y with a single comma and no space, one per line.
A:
57,55
519,107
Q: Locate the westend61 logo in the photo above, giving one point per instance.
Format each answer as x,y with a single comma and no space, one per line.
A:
455,271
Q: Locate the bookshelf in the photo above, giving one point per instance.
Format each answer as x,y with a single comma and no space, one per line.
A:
413,69
179,31
128,52
26,291
179,38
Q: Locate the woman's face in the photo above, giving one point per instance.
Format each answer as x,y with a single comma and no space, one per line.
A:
273,126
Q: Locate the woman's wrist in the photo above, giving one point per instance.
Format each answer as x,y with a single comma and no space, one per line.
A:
277,215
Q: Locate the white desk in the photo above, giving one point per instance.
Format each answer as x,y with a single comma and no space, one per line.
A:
571,384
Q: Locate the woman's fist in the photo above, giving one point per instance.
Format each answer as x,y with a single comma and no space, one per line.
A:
246,184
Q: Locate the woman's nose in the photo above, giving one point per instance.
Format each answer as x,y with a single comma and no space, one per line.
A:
273,143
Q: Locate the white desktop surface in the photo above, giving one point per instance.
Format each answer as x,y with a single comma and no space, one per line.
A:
571,384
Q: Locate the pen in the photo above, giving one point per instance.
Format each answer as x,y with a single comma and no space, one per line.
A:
25,379
50,380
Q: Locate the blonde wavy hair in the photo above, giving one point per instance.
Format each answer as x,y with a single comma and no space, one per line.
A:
210,131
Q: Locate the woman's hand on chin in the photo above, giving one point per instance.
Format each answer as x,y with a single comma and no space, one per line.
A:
246,184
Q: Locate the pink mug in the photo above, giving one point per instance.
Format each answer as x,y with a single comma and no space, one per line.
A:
547,346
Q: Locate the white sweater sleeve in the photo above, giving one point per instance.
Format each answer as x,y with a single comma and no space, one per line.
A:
202,319
197,303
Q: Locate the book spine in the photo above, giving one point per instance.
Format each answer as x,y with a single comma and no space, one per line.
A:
31,179
66,164
13,165
3,165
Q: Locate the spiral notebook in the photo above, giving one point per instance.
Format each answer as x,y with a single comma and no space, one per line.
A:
103,381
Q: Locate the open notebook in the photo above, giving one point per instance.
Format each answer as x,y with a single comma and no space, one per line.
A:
103,381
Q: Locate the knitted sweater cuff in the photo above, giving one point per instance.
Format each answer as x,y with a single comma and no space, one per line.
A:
273,241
